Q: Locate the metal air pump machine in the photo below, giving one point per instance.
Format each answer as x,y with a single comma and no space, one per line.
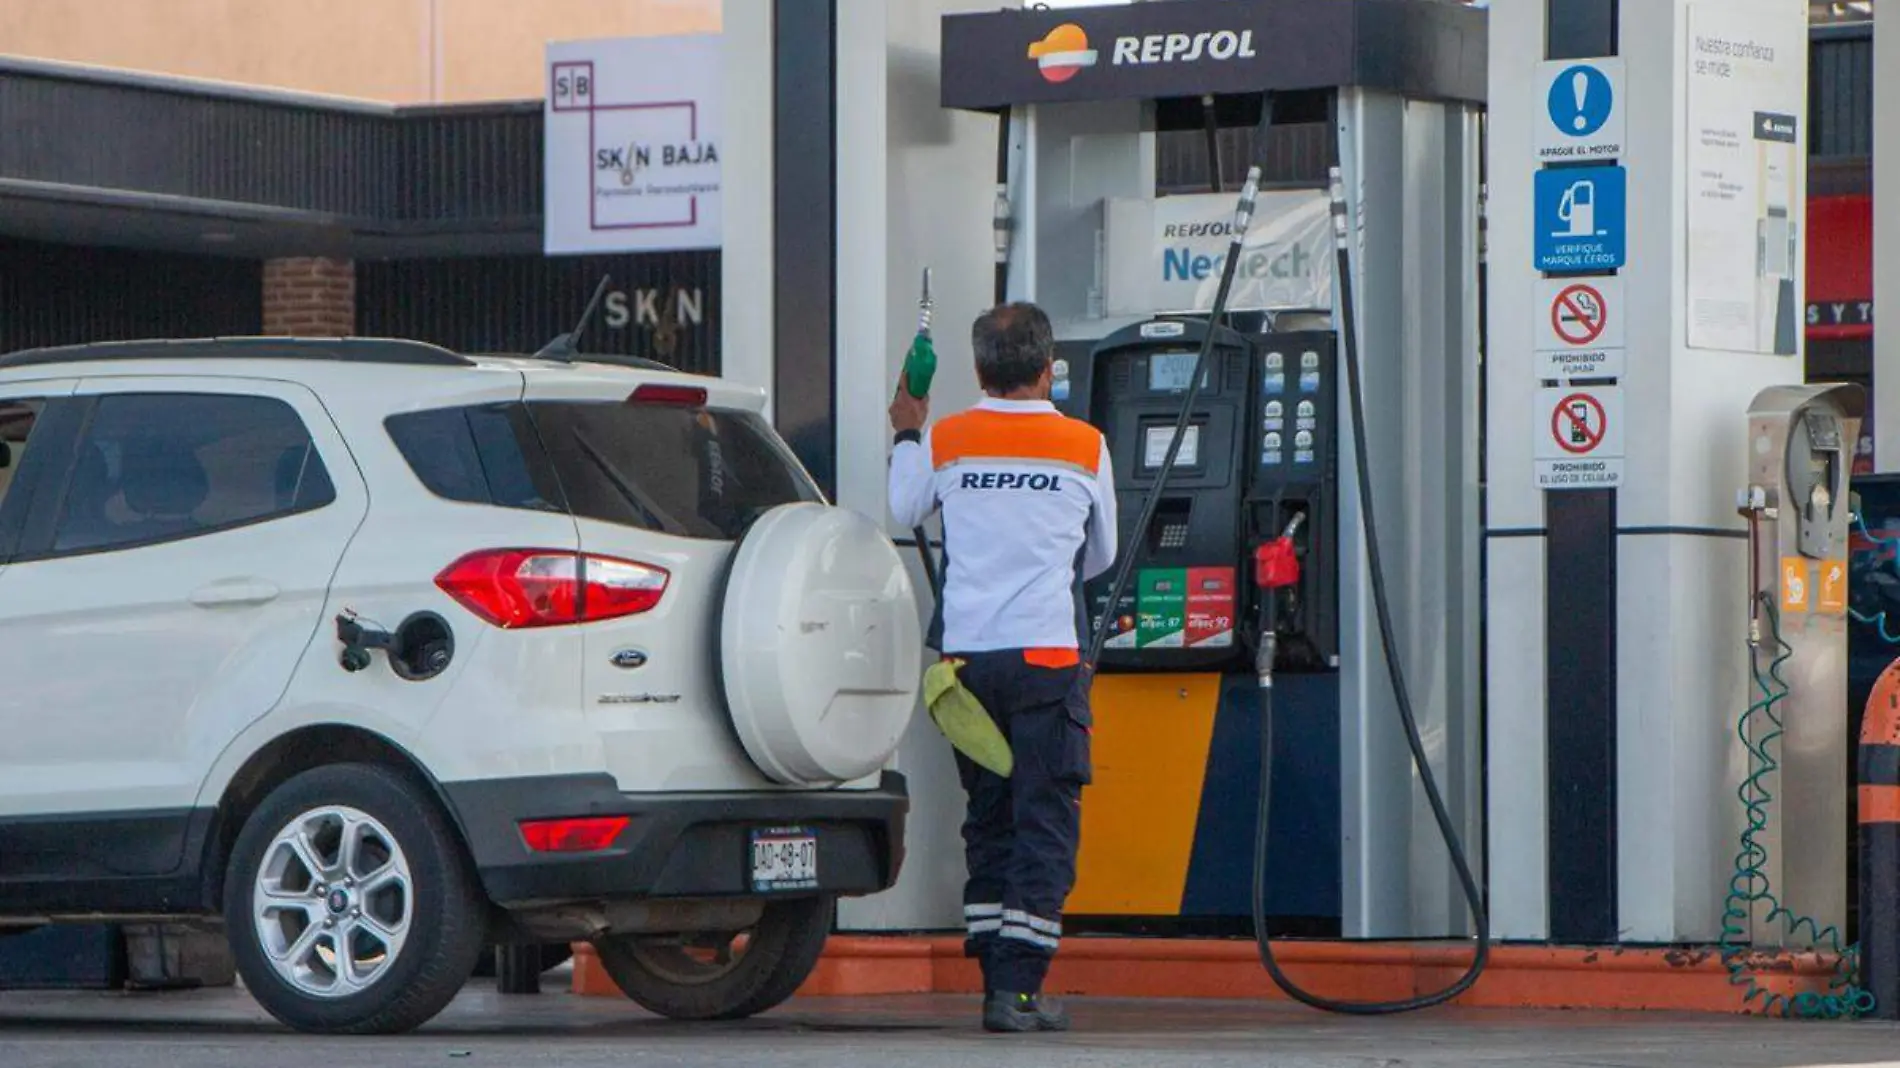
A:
1118,169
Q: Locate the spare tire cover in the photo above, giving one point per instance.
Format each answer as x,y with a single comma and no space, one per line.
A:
820,645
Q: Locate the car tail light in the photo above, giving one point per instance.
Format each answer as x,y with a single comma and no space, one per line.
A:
589,834
682,396
518,588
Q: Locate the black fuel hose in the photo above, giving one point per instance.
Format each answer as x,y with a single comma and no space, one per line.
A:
1375,567
922,538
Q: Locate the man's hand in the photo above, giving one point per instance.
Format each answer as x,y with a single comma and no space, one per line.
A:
908,412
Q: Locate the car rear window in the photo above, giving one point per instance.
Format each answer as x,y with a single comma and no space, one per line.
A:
690,472
693,472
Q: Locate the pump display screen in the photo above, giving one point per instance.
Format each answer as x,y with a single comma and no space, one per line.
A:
1155,449
1170,372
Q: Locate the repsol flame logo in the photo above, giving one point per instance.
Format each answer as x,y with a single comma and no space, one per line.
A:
1062,53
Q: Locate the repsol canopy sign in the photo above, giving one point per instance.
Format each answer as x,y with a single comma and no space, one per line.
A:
1217,46
1189,47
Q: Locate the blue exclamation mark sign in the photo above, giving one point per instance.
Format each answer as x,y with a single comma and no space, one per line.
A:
1581,100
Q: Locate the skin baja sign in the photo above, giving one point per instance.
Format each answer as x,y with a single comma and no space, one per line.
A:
633,144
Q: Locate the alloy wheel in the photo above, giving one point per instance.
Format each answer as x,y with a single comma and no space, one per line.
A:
333,901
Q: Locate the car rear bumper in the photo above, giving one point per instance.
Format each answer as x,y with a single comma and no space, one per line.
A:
695,845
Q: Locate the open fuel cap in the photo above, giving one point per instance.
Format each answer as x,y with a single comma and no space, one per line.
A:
820,645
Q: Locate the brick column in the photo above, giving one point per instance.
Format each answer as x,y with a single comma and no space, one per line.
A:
309,297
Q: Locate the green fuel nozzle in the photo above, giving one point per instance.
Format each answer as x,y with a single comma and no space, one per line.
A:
920,364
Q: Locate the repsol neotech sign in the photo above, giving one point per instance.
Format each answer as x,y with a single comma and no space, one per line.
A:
1284,264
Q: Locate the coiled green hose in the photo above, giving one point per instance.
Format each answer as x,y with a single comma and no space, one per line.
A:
1750,884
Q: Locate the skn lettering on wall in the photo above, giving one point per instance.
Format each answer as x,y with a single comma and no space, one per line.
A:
1184,47
655,307
666,313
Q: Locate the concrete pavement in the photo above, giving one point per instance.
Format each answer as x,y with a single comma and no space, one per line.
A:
225,1029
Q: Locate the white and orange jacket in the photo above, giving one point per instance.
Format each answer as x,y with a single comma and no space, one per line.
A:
1028,501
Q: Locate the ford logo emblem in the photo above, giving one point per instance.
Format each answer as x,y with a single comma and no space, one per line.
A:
629,659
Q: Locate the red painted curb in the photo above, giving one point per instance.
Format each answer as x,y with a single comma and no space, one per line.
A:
1519,977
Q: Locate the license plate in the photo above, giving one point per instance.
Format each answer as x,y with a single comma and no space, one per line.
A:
784,858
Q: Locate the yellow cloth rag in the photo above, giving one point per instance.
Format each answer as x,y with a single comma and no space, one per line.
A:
963,720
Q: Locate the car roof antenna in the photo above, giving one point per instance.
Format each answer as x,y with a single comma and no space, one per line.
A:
562,348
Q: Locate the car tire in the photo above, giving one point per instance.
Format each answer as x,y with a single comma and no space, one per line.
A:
403,901
781,951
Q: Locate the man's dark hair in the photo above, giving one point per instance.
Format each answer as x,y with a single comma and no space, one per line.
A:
1014,345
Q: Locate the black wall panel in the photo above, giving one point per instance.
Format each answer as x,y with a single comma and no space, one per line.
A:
410,165
804,224
1841,94
1299,154
467,164
63,295
663,307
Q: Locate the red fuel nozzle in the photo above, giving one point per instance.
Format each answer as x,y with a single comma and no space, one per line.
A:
1275,566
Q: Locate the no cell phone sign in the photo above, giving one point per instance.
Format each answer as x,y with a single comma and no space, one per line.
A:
1578,423
1579,438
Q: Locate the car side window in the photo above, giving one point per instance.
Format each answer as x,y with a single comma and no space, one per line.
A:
486,454
17,419
154,467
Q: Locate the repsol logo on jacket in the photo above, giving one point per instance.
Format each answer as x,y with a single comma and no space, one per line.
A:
1011,480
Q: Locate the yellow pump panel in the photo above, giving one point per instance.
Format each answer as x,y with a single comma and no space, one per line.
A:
1150,745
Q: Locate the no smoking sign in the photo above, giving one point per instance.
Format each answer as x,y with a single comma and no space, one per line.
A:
1579,438
1579,329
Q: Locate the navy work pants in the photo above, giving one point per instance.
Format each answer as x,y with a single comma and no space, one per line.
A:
1020,833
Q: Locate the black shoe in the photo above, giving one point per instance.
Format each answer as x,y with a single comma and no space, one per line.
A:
1008,1013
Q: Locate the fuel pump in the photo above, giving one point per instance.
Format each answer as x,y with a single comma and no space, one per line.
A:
1217,356
1258,452
1165,526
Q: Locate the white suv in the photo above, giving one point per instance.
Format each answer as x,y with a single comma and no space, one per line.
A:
384,653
